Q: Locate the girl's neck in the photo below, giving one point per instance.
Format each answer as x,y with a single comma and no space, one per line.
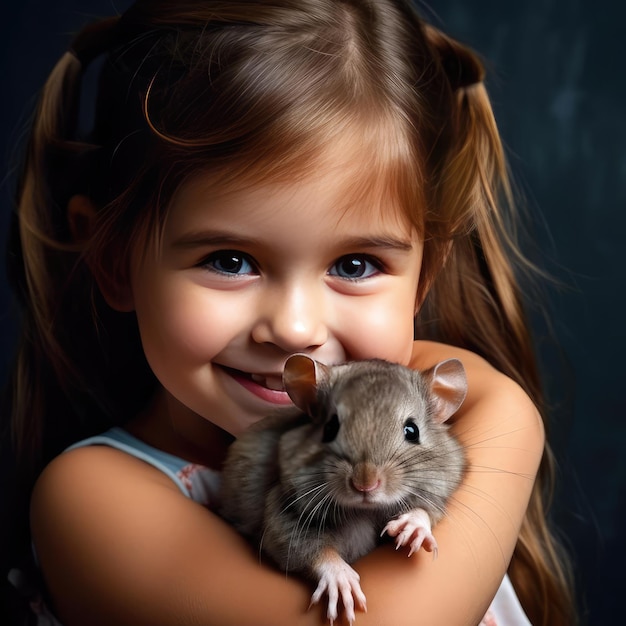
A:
169,426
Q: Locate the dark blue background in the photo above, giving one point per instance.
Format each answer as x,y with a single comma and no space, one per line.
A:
558,83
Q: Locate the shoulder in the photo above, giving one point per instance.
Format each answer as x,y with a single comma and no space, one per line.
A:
117,542
86,487
96,512
96,480
95,467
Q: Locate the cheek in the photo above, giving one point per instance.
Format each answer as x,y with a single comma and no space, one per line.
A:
384,326
180,323
386,338
381,330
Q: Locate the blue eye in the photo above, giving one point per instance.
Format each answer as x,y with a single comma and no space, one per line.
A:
229,262
354,266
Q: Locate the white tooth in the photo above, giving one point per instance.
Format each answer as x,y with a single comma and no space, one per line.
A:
271,382
274,382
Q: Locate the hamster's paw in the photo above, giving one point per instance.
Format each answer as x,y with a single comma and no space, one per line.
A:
339,580
413,529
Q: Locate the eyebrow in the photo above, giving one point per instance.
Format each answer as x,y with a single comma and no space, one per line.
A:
217,238
383,241
205,238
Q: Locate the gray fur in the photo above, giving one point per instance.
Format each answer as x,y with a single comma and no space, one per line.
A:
292,494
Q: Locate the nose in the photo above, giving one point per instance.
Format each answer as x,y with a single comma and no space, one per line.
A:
292,317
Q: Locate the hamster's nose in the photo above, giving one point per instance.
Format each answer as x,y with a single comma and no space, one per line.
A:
365,478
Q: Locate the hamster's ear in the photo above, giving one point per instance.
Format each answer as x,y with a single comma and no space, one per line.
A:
448,385
81,216
304,378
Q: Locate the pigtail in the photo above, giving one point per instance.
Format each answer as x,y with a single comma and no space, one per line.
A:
473,196
476,302
42,402
42,255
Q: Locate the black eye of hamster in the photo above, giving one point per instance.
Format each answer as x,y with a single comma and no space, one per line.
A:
411,431
331,428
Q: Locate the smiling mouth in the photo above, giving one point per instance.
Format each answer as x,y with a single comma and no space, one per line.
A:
267,387
269,381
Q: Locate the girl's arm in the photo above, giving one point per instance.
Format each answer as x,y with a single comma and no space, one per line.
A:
118,543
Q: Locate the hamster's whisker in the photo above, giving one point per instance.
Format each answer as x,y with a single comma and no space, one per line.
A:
464,509
485,496
299,526
485,436
434,453
441,474
329,502
414,455
312,515
432,500
339,511
303,523
496,470
293,501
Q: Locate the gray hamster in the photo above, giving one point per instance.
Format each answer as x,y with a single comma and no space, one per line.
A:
365,452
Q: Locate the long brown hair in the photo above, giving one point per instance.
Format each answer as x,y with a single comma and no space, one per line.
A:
249,90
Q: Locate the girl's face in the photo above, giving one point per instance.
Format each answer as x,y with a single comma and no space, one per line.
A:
245,278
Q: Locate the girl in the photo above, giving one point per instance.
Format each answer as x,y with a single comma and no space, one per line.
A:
263,178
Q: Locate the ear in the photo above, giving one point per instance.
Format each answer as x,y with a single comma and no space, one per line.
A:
448,386
117,292
304,378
